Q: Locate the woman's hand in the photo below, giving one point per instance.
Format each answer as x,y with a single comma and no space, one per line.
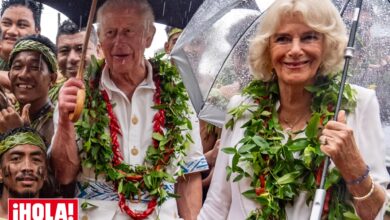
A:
338,142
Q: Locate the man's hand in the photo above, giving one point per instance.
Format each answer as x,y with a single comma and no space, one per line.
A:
67,98
10,118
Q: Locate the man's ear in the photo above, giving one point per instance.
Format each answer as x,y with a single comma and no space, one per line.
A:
150,36
53,78
99,51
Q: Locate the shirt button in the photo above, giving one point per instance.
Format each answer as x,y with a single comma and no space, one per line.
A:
134,120
134,151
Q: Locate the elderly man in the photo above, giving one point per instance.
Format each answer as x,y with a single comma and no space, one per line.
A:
131,153
23,166
70,39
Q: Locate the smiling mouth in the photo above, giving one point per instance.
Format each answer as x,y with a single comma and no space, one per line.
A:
296,64
71,70
120,56
24,86
10,39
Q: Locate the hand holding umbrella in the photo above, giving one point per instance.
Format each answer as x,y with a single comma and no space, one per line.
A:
319,198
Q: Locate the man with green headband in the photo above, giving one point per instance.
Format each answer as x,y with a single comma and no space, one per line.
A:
173,34
33,68
23,166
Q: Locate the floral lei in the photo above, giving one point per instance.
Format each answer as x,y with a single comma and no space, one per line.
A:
278,176
102,151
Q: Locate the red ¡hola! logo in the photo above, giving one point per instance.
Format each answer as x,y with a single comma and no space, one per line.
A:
43,209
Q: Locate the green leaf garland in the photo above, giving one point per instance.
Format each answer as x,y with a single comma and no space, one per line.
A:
278,176
172,144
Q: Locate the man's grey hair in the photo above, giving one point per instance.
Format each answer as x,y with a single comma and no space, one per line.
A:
143,7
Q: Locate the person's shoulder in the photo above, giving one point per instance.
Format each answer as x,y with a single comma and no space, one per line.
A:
238,100
363,94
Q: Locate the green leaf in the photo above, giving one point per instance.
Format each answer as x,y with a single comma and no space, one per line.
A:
332,178
350,216
120,186
312,126
265,113
287,178
229,150
235,160
297,144
157,136
246,148
238,178
308,155
259,141
229,172
250,194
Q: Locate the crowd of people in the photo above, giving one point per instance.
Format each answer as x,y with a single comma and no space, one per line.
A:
138,151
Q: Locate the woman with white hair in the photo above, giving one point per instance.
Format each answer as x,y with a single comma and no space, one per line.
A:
281,128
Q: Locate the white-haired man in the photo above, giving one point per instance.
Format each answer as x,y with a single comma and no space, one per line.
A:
135,136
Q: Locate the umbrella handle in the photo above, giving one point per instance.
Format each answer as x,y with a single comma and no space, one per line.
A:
319,199
75,115
318,204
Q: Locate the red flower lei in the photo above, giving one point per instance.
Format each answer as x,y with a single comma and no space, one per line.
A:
170,137
158,124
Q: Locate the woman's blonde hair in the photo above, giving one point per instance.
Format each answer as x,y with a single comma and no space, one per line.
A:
320,15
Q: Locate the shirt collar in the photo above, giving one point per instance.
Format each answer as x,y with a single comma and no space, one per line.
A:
107,84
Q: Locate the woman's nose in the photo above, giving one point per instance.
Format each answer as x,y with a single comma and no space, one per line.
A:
296,48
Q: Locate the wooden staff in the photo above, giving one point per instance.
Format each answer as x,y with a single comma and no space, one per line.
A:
74,116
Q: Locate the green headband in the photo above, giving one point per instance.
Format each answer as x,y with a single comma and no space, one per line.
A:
174,31
33,45
21,139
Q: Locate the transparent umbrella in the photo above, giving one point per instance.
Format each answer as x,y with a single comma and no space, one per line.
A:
211,53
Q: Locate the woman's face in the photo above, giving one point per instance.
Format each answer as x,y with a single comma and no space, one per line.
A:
296,52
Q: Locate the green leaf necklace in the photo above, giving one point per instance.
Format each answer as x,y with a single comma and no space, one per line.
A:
101,149
281,171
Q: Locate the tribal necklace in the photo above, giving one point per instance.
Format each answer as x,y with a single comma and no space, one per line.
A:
278,176
170,138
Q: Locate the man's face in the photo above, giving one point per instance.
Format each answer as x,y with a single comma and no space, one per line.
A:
69,47
30,78
23,170
16,22
124,35
171,43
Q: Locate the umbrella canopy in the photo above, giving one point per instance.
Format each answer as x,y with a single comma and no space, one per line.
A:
212,52
175,13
